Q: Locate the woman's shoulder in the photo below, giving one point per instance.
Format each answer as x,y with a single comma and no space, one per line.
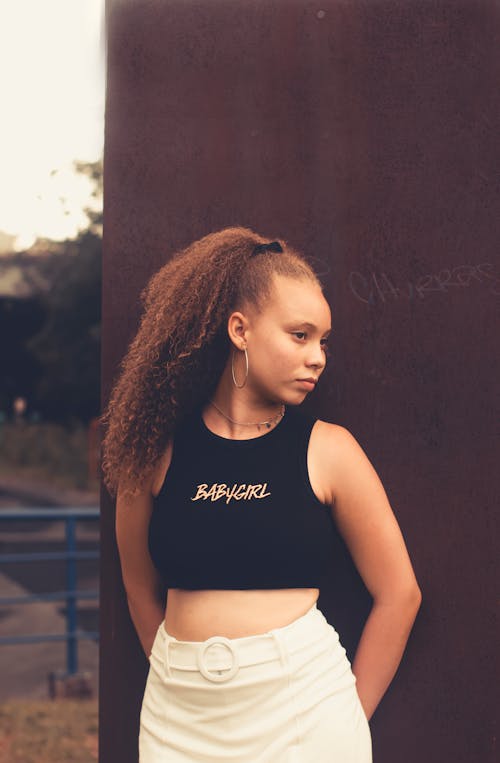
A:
330,448
331,444
330,436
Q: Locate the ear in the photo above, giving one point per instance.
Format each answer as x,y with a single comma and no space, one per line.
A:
237,328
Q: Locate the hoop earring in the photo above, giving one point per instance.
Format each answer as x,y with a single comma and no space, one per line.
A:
239,386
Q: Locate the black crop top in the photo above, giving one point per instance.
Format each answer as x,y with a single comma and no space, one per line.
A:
240,514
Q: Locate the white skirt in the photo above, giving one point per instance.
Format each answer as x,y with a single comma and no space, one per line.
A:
285,696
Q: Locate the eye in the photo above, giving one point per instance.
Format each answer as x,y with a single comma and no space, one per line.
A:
325,346
299,334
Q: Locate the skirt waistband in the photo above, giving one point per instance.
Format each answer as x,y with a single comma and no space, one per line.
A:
219,653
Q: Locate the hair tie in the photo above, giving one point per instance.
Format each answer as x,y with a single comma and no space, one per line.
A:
272,246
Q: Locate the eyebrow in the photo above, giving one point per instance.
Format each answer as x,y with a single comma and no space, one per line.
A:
313,326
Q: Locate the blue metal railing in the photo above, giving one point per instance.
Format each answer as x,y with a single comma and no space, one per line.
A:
70,516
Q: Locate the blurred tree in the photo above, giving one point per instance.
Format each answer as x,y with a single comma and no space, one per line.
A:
20,319
67,347
94,171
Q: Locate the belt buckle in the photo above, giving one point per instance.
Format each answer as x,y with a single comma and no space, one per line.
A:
217,677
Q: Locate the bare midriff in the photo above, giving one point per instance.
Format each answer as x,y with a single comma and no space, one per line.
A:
199,615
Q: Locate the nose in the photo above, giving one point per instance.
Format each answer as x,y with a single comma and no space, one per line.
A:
317,358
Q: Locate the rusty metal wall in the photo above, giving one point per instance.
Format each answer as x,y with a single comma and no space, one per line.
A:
366,134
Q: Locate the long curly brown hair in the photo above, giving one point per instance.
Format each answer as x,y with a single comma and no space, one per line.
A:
175,360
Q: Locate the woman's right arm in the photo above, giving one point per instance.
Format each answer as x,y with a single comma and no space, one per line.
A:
142,582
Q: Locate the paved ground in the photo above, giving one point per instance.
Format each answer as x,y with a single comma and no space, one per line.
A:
25,667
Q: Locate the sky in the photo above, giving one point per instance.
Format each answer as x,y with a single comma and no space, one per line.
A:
52,88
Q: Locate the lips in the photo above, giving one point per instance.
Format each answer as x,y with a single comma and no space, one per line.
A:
307,384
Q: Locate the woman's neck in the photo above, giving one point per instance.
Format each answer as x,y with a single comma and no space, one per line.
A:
238,412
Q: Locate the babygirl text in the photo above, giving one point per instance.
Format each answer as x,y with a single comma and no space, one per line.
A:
239,492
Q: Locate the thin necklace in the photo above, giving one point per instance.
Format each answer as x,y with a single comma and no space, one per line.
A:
268,422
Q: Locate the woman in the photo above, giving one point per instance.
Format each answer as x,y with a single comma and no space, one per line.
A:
226,496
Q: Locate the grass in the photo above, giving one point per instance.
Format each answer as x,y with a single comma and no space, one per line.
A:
25,475
47,452
49,731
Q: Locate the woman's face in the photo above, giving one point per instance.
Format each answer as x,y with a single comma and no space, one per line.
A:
286,341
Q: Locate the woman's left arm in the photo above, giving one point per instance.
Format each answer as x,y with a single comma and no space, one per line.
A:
365,520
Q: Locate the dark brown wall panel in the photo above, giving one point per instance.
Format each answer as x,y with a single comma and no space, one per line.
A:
366,134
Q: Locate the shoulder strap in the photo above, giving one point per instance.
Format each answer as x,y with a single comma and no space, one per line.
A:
304,423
